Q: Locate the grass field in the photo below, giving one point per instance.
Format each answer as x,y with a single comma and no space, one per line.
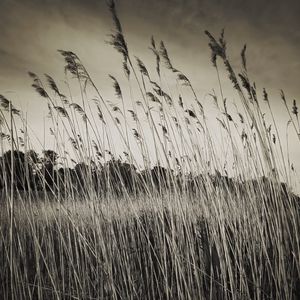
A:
149,202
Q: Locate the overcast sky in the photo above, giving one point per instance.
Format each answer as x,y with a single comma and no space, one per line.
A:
32,30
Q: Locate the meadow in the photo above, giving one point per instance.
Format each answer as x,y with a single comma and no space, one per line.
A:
142,197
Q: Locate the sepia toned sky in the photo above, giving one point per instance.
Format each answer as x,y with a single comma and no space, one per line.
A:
32,30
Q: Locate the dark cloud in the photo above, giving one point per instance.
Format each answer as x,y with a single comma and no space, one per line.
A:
32,30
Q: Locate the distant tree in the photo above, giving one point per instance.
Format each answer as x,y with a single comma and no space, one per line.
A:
66,180
48,171
120,176
82,176
32,161
160,177
50,157
32,157
14,166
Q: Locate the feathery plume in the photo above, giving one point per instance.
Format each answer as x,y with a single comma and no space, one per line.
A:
282,96
157,56
40,90
5,104
216,48
152,97
164,129
52,84
80,110
241,117
165,56
191,113
136,134
222,123
116,87
133,114
142,67
100,114
215,99
112,8
62,111
161,93
243,56
73,143
246,83
295,108
228,117
265,95
4,136
126,69
116,109
184,79
117,38
180,102
73,64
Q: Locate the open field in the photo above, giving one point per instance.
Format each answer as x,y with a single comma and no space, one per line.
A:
167,247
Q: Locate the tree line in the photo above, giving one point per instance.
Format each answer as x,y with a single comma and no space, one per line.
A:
29,171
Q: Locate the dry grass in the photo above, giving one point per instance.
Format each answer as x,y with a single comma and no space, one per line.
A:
184,237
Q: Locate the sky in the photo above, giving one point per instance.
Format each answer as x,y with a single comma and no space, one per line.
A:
32,30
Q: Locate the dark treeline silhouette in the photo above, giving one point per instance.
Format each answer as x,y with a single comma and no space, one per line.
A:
31,172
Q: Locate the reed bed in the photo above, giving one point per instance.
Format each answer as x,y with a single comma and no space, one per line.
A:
142,197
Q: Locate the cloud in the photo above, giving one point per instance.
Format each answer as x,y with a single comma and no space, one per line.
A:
32,30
